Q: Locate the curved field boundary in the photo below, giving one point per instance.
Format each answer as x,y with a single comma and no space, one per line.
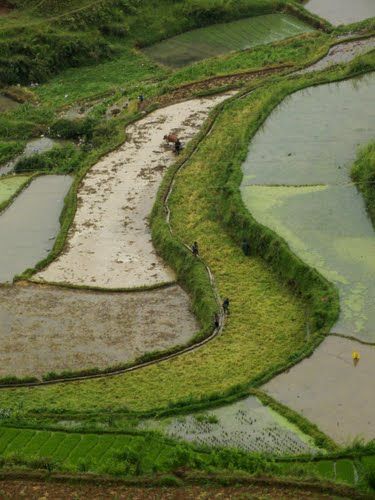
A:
259,380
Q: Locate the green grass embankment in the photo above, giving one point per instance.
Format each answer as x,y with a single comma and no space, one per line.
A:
265,332
363,174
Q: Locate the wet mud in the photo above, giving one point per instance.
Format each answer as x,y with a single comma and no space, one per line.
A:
45,328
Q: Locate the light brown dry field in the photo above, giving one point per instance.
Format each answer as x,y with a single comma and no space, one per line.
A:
47,328
109,244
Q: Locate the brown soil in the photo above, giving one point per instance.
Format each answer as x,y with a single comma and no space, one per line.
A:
236,79
46,328
5,8
15,489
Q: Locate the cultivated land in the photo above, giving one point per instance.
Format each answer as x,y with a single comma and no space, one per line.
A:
345,408
109,244
10,187
281,310
49,329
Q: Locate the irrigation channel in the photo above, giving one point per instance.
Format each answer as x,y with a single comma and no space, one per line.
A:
342,11
102,237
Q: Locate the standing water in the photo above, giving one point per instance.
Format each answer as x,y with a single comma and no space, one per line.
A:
342,11
29,226
297,182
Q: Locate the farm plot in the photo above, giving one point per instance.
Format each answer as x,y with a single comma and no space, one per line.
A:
29,226
342,11
109,244
45,329
246,425
9,186
341,53
297,182
98,452
331,391
218,39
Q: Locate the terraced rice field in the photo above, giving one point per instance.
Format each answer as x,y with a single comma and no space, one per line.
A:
219,39
10,186
246,425
109,244
72,449
297,182
342,11
29,226
49,329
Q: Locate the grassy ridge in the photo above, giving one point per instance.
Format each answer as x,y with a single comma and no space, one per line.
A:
363,174
224,366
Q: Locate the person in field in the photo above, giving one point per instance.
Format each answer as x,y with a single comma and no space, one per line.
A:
195,249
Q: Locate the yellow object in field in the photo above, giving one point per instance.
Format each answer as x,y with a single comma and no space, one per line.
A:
356,355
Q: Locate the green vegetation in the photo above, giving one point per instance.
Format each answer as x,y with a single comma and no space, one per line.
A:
135,454
10,187
59,160
40,39
363,174
221,38
8,149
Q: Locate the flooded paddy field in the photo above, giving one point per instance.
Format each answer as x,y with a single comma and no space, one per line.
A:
10,185
45,329
297,182
29,226
33,147
219,39
109,244
246,425
341,53
342,11
331,391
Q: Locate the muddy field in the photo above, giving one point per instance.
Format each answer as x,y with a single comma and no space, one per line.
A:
51,329
331,391
109,244
34,490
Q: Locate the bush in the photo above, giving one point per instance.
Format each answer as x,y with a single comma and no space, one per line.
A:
59,160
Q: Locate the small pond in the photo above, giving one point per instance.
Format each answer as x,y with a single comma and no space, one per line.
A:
30,225
342,11
35,146
297,182
219,39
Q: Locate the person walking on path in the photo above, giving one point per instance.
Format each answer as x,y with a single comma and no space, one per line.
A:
226,306
194,249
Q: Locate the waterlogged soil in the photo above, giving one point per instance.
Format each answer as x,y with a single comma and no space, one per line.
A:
45,328
219,39
30,225
341,54
109,244
33,147
331,391
246,425
297,182
10,185
342,11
